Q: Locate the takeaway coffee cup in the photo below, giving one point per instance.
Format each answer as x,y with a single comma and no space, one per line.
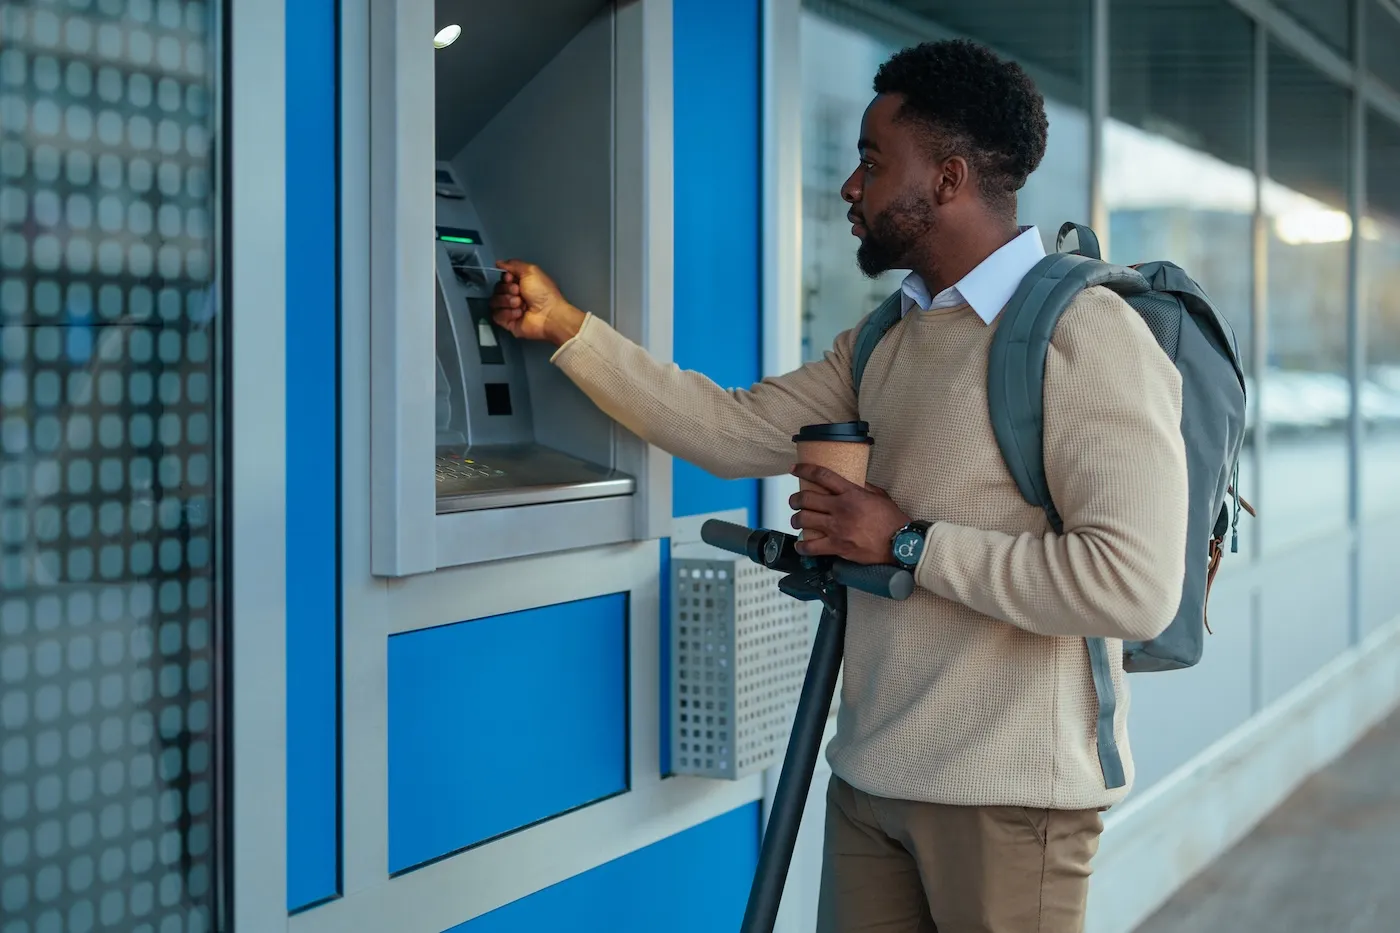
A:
843,447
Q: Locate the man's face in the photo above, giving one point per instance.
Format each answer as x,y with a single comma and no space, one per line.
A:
889,192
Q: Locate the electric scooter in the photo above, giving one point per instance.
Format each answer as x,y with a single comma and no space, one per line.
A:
809,579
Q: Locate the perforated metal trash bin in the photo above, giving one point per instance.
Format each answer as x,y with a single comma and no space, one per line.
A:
739,650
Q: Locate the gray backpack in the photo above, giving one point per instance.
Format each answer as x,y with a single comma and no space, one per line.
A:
1201,343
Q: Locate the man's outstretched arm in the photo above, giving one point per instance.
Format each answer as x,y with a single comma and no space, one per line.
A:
730,433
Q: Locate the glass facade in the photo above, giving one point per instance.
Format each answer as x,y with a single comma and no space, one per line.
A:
1305,394
110,489
1227,134
841,50
1178,177
1379,392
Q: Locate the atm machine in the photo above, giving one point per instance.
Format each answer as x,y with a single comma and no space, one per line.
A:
487,452
527,136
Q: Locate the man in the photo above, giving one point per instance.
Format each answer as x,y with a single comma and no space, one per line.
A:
966,794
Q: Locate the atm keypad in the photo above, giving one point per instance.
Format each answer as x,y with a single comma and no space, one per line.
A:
455,468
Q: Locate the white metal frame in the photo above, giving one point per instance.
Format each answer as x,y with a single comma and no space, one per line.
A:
453,890
258,630
782,352
401,107
408,537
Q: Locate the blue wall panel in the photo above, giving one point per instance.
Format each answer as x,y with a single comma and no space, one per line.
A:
665,660
498,723
313,443
696,881
717,214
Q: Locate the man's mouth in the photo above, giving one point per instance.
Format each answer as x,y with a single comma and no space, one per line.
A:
857,225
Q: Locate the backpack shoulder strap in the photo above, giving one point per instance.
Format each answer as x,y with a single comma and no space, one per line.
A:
1016,405
875,327
1016,361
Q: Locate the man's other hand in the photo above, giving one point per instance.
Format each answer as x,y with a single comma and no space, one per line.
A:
841,519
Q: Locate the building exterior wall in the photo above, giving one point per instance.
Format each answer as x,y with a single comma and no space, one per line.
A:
279,739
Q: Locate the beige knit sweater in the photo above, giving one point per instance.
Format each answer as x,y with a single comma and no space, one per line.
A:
977,689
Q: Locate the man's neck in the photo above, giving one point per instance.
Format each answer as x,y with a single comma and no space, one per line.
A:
947,261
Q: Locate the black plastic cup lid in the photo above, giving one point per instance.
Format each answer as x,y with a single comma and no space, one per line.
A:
855,432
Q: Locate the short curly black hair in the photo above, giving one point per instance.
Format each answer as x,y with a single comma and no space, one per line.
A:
973,103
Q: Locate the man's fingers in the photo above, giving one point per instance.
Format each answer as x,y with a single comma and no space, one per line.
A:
829,480
812,521
811,500
513,267
825,546
511,322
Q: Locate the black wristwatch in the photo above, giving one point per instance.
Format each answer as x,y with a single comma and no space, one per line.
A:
908,544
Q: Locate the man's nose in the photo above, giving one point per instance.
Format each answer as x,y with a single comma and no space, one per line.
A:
850,191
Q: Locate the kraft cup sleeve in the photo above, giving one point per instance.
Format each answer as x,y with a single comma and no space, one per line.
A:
846,459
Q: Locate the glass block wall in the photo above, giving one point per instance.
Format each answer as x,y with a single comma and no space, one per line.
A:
111,358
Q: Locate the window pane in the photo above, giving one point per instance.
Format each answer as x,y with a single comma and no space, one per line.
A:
1328,19
841,50
838,66
1305,393
1178,180
1380,270
1383,42
110,361
1380,390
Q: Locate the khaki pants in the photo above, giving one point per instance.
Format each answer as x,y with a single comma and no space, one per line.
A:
895,866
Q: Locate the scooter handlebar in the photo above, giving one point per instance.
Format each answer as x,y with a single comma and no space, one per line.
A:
882,580
730,537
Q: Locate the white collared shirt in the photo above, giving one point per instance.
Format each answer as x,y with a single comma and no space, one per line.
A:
988,287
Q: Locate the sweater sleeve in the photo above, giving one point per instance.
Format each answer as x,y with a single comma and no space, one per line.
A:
1115,462
730,433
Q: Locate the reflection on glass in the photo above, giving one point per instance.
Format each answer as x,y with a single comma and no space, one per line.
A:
1380,388
1305,394
1178,179
1328,19
1168,201
1382,39
1380,308
838,65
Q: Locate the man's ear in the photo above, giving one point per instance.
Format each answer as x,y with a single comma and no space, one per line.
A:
951,179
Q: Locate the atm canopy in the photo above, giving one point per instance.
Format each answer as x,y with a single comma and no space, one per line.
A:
502,46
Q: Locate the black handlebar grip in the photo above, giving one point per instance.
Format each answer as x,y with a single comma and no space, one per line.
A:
727,536
879,580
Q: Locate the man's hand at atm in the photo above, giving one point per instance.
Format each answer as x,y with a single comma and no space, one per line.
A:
527,303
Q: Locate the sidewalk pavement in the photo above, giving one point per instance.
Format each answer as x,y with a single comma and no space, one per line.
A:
1326,861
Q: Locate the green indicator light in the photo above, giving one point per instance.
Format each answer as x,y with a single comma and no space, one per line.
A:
457,239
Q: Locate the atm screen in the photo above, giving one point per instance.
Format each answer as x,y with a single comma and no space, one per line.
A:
459,235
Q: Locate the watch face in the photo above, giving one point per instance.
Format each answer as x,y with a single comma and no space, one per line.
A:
908,546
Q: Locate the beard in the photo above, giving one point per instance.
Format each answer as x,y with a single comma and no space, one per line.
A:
892,235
